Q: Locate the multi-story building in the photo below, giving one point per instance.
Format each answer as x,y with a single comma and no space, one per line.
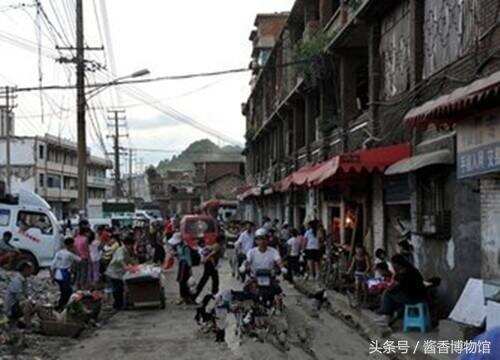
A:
174,192
48,166
327,139
219,175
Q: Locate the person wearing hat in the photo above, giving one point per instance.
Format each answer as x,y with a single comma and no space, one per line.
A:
263,257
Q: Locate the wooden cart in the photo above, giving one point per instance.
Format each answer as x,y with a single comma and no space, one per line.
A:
146,291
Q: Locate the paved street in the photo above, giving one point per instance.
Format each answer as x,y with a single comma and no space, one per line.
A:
155,334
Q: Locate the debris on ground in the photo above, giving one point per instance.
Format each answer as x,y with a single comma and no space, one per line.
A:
85,310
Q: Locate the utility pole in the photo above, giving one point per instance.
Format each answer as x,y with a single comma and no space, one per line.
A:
116,116
130,172
9,105
80,106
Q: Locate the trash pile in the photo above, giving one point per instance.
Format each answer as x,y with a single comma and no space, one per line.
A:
51,331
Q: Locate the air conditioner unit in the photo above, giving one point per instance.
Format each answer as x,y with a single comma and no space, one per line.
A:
437,224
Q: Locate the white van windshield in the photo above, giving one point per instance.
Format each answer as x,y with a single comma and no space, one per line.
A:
28,219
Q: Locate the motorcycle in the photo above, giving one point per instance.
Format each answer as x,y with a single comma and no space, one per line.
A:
269,293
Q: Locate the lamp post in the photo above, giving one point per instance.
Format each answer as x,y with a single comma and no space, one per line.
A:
98,90
82,189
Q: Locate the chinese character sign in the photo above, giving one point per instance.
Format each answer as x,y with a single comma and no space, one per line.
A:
478,146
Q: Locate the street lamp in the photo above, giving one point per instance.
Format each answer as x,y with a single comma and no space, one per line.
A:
136,74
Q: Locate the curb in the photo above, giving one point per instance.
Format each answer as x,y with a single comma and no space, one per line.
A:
362,321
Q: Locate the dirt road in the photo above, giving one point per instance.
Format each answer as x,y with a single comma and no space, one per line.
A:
172,334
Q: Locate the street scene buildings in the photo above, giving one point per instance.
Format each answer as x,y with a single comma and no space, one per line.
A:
280,179
381,129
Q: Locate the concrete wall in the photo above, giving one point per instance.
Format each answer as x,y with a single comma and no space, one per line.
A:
457,258
378,223
490,227
21,151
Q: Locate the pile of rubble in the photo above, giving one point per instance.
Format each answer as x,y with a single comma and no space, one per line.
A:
19,344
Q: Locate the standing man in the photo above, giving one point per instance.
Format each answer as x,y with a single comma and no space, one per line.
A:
210,261
244,244
122,259
266,223
16,302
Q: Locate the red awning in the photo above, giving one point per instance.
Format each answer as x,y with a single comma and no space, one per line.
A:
446,108
297,178
251,191
370,160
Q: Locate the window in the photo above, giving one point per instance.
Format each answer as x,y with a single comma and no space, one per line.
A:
4,217
53,181
41,180
41,151
33,220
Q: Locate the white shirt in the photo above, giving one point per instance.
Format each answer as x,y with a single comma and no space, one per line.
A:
294,246
245,242
263,260
64,259
312,242
176,239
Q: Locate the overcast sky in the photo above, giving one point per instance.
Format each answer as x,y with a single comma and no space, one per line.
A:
168,37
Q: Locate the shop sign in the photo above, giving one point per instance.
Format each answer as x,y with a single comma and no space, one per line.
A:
396,189
478,146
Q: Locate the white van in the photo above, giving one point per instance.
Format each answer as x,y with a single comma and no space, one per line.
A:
35,230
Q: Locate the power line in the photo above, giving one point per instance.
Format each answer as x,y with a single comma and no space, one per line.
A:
161,78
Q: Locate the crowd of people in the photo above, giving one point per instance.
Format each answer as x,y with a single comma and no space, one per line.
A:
395,282
87,261
99,259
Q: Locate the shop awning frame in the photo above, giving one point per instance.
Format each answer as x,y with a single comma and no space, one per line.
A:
417,162
361,161
450,108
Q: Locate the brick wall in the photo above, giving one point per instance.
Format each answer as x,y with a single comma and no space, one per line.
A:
224,187
490,227
216,170
270,25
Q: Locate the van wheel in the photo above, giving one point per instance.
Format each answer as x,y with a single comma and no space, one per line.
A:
28,257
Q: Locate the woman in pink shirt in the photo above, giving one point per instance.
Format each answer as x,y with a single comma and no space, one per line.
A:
82,250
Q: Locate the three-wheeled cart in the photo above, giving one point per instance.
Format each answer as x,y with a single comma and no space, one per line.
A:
144,290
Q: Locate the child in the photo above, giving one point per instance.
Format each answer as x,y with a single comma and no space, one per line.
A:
294,247
81,245
381,258
60,271
95,252
109,249
360,267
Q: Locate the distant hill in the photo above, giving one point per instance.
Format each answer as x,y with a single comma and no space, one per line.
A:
200,149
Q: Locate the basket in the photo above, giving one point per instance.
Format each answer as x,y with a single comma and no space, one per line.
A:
53,328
